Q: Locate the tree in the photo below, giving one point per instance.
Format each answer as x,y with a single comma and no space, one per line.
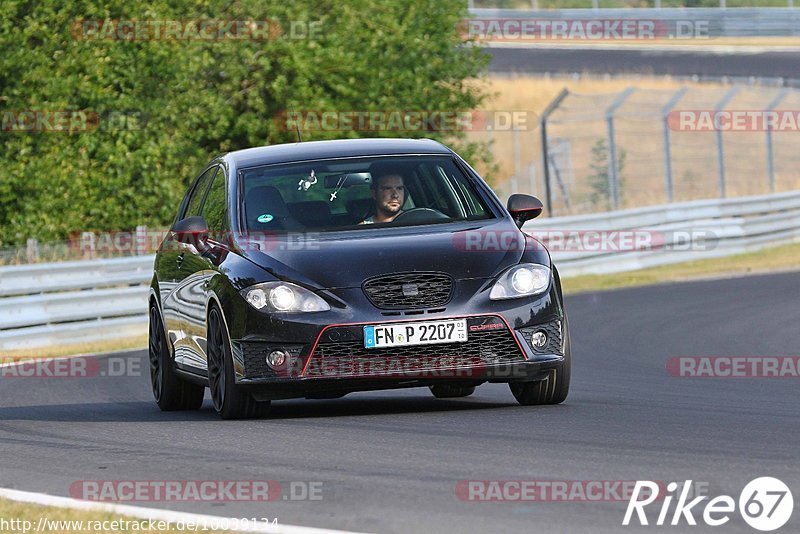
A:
164,107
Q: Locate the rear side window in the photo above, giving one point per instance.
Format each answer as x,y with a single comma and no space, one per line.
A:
215,206
199,192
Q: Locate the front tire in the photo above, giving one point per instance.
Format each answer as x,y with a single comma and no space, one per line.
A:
170,392
553,389
230,401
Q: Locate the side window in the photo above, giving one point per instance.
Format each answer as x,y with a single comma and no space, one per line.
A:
199,192
215,207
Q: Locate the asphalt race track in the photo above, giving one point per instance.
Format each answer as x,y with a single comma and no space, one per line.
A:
391,461
772,64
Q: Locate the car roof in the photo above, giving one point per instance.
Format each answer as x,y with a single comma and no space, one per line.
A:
341,148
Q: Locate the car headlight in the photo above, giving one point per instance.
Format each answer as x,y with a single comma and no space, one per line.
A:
283,297
523,280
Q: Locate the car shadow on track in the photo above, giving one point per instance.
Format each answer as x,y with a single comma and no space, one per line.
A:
142,411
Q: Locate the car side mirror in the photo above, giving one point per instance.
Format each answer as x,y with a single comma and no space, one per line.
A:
523,208
192,231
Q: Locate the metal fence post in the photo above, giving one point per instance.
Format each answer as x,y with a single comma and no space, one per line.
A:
142,244
770,156
551,107
32,250
613,164
720,146
88,244
665,111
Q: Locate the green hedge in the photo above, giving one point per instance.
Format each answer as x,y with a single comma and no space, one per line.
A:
165,107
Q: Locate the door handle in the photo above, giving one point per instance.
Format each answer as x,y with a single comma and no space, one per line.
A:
180,260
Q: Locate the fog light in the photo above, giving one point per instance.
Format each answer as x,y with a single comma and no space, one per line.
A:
277,358
539,339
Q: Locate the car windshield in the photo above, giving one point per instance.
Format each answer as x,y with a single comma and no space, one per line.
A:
346,194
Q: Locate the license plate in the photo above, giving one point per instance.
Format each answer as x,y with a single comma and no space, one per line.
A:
429,332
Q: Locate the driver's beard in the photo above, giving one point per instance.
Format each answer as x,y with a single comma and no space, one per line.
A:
387,211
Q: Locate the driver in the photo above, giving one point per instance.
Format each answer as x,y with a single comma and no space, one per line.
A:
389,193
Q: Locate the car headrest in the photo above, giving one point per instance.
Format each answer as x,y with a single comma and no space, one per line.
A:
265,199
360,208
313,213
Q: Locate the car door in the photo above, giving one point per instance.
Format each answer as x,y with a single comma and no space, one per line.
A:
179,301
199,267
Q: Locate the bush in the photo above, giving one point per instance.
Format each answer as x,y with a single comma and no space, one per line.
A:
165,107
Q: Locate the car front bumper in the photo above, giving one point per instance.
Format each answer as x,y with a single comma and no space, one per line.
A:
327,352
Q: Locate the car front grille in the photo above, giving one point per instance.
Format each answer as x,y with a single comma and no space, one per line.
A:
489,343
404,291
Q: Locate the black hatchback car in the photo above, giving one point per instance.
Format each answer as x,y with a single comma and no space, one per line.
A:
322,268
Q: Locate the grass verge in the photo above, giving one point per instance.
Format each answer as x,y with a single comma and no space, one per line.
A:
114,345
24,517
775,259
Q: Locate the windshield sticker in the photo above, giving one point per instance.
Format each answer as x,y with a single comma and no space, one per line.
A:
265,218
306,183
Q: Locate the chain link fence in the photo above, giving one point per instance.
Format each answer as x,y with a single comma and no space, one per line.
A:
640,147
85,246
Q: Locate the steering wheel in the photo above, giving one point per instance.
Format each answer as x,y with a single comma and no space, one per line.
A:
416,215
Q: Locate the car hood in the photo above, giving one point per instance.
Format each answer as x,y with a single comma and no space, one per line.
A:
346,259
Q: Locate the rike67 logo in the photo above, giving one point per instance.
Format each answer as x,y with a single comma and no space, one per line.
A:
765,504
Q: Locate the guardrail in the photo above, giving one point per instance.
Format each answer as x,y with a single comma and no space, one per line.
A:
96,300
73,302
623,4
666,234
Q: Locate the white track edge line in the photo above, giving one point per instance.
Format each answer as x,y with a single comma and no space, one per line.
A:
205,521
